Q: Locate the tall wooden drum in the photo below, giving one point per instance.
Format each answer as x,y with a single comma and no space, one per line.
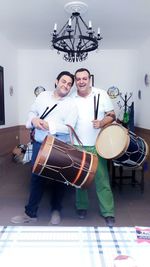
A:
65,163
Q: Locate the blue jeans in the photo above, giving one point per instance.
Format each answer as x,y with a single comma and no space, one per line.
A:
38,186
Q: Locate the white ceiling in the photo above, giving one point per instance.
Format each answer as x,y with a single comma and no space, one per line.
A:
29,23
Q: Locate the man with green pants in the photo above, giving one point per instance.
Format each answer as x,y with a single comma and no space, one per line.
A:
95,111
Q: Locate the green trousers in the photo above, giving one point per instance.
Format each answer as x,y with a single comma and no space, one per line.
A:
103,189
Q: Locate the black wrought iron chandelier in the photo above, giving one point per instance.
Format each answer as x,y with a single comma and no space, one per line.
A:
75,39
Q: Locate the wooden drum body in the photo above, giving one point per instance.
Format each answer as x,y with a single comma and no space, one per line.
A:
65,163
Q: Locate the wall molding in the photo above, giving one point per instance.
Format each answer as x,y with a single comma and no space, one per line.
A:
12,136
142,130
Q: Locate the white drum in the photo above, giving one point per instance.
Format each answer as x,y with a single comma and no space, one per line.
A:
123,146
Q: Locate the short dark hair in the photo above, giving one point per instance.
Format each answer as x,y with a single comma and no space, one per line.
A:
67,73
81,70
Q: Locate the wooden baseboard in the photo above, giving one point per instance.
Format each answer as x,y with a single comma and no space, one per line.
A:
12,136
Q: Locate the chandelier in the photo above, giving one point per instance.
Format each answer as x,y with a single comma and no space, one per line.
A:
76,39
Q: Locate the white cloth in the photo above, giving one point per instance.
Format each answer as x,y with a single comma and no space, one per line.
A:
64,113
28,154
84,129
73,246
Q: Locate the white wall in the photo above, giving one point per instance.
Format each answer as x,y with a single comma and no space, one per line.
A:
26,69
8,60
143,105
38,67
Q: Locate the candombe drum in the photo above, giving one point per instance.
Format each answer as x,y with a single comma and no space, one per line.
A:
65,163
123,146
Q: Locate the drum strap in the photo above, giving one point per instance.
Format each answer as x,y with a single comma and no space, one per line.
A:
73,133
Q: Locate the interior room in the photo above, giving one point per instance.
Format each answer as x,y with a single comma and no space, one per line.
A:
119,63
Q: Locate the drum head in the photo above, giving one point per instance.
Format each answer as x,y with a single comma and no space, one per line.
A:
112,141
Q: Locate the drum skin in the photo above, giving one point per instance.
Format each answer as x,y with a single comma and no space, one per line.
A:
112,141
65,163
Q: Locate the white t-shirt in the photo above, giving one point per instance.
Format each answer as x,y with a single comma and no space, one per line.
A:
64,113
84,128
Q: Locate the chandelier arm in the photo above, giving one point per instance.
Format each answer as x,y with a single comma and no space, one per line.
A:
83,22
72,41
59,47
63,28
92,45
77,26
85,44
72,44
75,30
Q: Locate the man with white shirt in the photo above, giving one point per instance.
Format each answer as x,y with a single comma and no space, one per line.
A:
89,123
63,112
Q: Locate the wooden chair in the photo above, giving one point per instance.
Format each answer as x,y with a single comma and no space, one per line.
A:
122,175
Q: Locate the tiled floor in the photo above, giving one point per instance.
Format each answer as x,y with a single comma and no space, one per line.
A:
132,207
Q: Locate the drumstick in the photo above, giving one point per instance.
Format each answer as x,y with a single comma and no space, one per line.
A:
49,111
41,117
97,106
94,107
44,113
33,129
